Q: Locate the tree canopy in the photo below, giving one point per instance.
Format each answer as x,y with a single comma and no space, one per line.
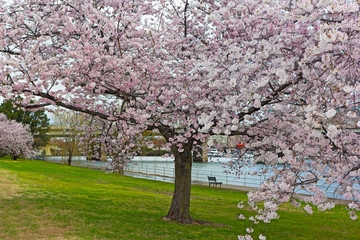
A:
15,138
284,76
37,121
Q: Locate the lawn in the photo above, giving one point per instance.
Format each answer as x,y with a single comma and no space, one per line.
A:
41,200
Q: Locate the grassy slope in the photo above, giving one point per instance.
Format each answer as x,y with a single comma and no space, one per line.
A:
58,202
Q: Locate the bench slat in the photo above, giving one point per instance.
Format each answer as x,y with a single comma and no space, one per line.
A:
212,180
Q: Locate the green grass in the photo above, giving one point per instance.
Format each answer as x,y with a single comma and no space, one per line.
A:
60,202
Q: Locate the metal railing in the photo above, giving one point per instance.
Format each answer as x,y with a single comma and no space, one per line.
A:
201,177
198,176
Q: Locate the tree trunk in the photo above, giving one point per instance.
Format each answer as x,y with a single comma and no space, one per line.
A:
119,168
70,158
180,205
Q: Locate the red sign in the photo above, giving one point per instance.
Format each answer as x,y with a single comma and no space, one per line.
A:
240,145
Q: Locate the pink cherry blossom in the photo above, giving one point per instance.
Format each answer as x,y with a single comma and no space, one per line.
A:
282,77
16,139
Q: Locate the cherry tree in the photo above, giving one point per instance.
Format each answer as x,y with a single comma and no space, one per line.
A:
111,138
16,138
282,75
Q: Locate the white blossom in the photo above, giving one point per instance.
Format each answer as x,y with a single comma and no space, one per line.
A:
351,114
330,113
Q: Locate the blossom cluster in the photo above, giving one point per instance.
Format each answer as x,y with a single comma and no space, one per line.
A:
16,139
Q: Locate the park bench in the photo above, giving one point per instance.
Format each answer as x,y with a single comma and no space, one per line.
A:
212,180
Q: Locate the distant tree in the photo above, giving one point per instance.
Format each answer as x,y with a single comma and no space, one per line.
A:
37,121
101,138
15,138
69,122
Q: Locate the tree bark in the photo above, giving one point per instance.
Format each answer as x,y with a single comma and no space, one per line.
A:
119,168
70,158
180,205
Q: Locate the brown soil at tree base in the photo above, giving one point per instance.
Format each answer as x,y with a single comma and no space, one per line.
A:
194,222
